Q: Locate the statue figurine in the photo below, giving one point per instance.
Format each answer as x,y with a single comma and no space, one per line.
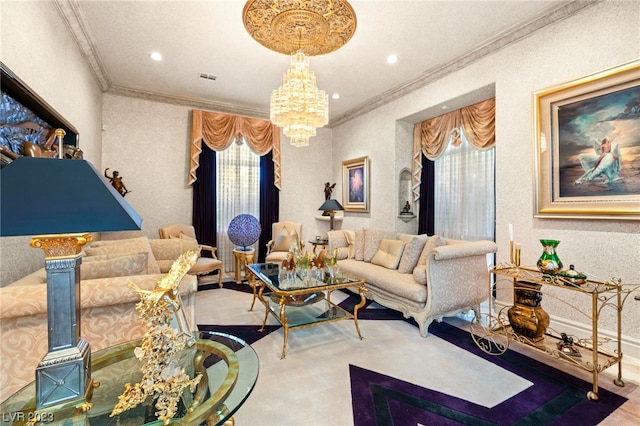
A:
406,209
116,182
328,189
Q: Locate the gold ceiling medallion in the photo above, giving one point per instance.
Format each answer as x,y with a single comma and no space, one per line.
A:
316,27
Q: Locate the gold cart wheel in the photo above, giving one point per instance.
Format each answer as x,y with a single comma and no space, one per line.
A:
489,334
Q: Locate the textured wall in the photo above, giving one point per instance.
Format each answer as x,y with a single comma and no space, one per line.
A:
45,57
575,47
148,143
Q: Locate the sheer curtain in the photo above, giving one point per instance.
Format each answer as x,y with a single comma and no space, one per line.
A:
461,148
464,192
238,187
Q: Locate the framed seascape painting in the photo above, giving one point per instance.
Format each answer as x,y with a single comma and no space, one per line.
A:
588,147
355,184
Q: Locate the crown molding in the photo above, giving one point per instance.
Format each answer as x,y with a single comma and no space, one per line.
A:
188,102
506,37
75,23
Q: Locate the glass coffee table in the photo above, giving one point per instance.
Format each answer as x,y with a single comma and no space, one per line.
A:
300,301
229,368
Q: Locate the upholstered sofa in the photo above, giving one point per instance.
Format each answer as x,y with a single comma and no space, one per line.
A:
108,314
424,277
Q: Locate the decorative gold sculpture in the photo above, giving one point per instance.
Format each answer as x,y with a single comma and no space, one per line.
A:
162,376
315,27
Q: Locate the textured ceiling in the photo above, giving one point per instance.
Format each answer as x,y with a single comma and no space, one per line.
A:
198,36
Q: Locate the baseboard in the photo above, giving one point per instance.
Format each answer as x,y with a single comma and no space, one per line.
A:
630,346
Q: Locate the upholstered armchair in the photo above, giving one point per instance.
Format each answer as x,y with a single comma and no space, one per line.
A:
283,235
187,236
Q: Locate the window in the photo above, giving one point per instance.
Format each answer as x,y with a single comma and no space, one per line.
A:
464,204
238,180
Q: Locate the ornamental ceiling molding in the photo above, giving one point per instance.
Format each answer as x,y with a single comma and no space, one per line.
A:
508,36
72,18
286,26
75,23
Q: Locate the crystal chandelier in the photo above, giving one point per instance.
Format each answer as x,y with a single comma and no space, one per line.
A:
298,106
313,27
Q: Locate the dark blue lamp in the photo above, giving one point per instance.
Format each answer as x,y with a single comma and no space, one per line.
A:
244,230
60,202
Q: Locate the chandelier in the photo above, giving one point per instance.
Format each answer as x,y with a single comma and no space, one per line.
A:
296,27
298,106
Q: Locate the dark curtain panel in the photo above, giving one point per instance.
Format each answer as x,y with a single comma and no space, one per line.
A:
426,212
269,203
205,194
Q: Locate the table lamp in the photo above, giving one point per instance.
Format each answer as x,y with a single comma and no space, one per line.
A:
59,202
330,206
244,230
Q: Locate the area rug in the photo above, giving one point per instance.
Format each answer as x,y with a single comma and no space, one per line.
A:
553,398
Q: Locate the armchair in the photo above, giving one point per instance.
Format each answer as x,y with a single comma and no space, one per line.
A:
205,265
283,235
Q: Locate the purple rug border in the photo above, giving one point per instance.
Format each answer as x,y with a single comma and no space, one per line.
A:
547,384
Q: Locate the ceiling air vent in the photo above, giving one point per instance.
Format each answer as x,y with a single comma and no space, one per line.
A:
207,76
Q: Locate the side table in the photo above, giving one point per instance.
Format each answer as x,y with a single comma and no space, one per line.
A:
316,243
242,258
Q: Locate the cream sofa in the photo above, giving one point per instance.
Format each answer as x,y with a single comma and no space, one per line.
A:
424,277
108,313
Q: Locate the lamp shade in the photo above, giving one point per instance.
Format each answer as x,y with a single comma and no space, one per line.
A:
244,230
331,205
42,196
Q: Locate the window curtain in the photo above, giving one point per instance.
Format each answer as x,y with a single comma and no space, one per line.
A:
218,131
238,177
204,217
426,198
455,142
464,193
269,203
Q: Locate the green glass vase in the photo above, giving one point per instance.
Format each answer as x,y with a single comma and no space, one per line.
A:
549,262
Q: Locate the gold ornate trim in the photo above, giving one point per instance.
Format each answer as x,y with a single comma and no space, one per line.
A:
315,27
62,245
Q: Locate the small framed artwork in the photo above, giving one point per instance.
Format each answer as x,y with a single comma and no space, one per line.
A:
587,135
355,184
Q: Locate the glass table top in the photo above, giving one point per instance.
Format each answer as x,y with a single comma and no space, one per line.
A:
299,281
228,364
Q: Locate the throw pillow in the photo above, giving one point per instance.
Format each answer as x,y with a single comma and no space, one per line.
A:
359,245
131,245
186,243
116,266
414,244
372,239
285,240
337,241
433,242
351,240
389,253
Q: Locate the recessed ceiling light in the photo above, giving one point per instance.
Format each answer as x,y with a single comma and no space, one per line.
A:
335,96
155,56
392,59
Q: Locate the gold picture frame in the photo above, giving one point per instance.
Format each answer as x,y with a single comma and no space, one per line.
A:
587,141
355,184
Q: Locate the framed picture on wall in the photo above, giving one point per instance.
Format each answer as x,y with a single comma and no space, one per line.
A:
355,184
587,135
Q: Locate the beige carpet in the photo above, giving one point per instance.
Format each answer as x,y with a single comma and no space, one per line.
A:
318,359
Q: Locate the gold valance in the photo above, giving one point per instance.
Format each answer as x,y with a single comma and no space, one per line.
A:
218,131
432,136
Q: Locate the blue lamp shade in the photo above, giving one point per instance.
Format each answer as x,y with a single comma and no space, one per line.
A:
244,230
41,196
